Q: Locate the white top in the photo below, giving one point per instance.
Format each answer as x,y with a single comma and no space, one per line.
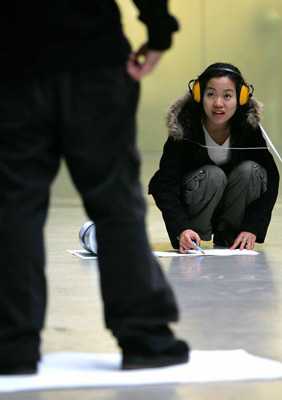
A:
218,153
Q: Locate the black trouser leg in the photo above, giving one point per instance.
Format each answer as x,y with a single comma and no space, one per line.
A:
104,164
25,174
23,287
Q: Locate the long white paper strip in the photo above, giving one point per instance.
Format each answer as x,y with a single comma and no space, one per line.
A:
207,252
173,253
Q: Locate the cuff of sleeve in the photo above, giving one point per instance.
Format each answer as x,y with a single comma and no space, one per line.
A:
160,34
260,234
159,40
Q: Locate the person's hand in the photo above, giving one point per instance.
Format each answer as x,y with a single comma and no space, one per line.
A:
142,62
186,240
245,240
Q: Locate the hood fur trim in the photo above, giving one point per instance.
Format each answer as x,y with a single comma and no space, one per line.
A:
175,129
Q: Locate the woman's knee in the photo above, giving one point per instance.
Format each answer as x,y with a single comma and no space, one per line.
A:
215,176
206,180
249,171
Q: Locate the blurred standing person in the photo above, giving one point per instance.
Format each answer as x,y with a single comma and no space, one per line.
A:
69,90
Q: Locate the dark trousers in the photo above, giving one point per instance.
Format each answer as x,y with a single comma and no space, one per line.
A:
88,118
217,202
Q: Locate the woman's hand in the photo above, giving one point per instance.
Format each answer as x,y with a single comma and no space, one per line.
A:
245,240
186,240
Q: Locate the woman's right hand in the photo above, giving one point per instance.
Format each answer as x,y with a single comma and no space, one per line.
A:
187,240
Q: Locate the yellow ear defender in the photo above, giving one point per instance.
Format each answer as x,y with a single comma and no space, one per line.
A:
245,94
245,90
196,90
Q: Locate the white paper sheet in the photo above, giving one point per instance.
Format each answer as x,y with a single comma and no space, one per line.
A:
83,254
85,370
208,252
173,253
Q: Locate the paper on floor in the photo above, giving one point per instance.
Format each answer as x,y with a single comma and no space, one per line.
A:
83,254
208,252
89,370
173,253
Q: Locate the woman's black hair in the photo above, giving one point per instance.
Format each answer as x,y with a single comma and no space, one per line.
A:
218,70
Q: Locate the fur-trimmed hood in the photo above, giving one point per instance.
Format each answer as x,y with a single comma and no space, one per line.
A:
176,128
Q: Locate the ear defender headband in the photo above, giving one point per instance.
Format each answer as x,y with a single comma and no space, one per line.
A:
244,93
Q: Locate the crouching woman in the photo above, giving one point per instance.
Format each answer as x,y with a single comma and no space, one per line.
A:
217,179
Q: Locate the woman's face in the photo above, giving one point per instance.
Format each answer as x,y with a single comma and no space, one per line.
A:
220,100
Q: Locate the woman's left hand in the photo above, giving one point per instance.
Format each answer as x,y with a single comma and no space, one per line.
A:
245,240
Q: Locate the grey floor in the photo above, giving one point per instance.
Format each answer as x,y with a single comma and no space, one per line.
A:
225,303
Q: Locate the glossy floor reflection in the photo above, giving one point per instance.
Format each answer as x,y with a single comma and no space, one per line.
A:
225,303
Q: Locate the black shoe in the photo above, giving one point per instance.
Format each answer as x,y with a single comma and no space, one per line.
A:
24,369
177,354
